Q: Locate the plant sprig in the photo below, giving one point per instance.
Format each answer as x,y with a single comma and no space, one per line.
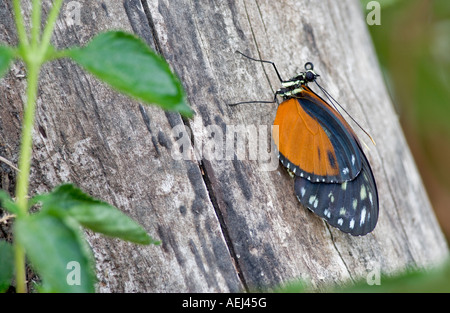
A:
52,238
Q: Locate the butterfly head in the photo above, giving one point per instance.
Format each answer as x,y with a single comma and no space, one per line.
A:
309,75
294,85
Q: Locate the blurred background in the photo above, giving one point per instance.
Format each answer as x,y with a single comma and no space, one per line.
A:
413,47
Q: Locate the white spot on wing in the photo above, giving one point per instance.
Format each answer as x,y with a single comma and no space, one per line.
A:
352,223
363,216
340,221
330,195
363,193
365,177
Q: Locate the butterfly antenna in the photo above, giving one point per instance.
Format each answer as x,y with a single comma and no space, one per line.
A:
259,101
331,99
263,61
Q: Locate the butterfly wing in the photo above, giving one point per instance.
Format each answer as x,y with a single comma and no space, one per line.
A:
333,176
314,141
351,206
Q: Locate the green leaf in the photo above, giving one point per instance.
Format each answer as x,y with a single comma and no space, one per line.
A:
6,265
127,64
430,280
93,214
57,251
6,56
7,203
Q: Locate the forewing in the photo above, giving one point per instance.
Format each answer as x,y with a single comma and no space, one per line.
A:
314,141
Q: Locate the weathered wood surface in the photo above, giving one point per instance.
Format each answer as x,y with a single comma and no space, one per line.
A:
225,224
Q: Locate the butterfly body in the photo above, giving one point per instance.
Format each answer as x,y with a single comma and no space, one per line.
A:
332,175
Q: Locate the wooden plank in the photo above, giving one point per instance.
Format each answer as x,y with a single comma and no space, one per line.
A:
274,239
226,223
120,152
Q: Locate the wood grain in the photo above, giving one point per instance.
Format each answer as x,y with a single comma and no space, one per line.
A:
225,224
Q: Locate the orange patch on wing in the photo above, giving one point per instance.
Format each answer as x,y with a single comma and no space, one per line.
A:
303,141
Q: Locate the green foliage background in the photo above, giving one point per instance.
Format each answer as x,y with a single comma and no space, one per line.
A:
413,47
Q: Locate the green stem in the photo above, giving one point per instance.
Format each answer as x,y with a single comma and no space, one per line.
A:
33,57
26,142
36,23
21,33
48,30
19,264
24,167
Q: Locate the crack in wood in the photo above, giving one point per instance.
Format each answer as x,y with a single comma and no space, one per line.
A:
209,186
256,42
151,24
339,252
146,120
223,225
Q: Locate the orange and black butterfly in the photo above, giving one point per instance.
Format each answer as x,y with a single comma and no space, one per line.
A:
332,175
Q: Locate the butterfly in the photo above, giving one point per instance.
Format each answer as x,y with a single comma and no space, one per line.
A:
332,176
